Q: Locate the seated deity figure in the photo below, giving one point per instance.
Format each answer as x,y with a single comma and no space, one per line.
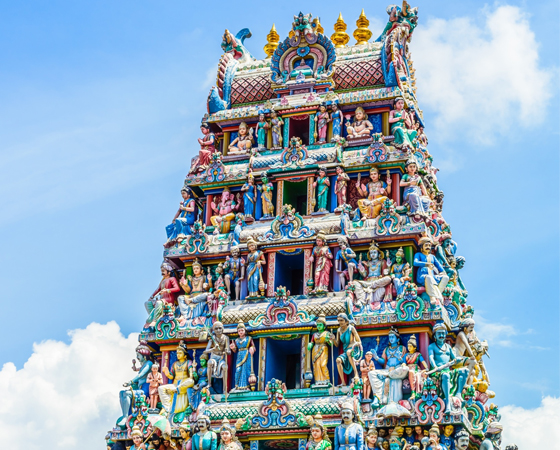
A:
463,346
194,305
138,385
184,218
374,194
415,193
218,349
244,140
387,382
430,273
165,293
400,272
442,359
345,262
206,149
224,210
377,283
402,126
234,268
175,396
361,127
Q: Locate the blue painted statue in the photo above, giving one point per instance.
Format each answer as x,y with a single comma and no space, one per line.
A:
430,274
184,219
245,349
349,435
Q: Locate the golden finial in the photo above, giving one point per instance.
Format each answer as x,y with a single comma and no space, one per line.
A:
340,37
272,40
318,27
362,34
291,34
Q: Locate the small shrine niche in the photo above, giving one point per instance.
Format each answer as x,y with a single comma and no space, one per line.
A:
283,361
299,127
290,271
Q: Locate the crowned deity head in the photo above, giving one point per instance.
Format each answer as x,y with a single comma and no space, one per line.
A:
374,174
398,103
197,268
360,114
185,430
243,129
374,252
411,167
181,351
317,430
399,256
394,336
371,437
321,239
252,245
136,435
205,128
321,323
241,330
227,432
186,193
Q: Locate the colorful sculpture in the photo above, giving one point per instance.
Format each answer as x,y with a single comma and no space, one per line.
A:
137,439
255,261
244,140
348,337
462,440
245,350
277,124
430,272
183,220
207,147
165,293
366,366
375,193
228,438
155,380
262,131
267,190
249,196
218,349
322,257
400,272
374,290
322,120
194,305
234,268
224,211
321,340
336,118
360,127
205,439
416,367
341,187
371,439
415,192
402,126
318,437
345,262
349,434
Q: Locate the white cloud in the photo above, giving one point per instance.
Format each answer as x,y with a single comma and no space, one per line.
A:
532,428
66,395
501,334
482,78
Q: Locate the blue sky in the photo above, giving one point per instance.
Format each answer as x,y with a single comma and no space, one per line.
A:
100,104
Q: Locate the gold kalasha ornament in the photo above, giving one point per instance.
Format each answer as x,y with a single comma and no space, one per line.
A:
362,34
319,28
340,37
272,40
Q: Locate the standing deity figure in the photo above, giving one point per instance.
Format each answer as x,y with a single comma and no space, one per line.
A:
322,183
194,304
414,190
322,257
249,196
377,284
267,189
492,437
442,358
137,439
366,366
255,261
345,262
185,433
349,435
245,349
322,120
430,273
166,292
374,194
207,147
184,218
175,397
229,440
244,140
201,383
262,131
387,382
155,380
361,127
416,367
218,349
318,437
341,187
462,440
319,347
205,439
401,125
400,272
224,211
138,386
348,337
277,124
447,438
336,117
235,271
463,346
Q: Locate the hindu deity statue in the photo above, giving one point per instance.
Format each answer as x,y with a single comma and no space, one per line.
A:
433,437
218,349
402,125
462,440
243,142
175,397
447,438
336,117
367,365
492,437
345,262
322,183
267,190
228,438
137,439
348,435
341,187
184,218
430,272
245,349
249,196
262,131
361,127
185,433
255,261
322,120
409,435
463,346
224,211
166,292
234,268
442,358
416,367
400,272
205,439
322,257
318,437
371,438
387,382
276,123
319,347
376,286
207,147
374,194
194,304
415,193
348,337
155,380
201,381
138,386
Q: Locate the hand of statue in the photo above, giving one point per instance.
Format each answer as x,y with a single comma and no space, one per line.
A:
359,178
165,370
252,350
232,346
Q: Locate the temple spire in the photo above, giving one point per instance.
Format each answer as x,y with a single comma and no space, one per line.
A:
319,28
272,40
362,34
340,37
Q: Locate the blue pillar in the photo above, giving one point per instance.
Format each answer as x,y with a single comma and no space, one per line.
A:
311,129
286,132
333,204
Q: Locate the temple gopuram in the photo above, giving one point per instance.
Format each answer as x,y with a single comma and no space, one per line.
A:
311,293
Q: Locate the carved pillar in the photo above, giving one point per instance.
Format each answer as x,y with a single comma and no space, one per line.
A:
311,129
225,142
262,365
271,263
423,343
310,195
286,132
396,189
164,363
304,360
279,196
385,124
307,269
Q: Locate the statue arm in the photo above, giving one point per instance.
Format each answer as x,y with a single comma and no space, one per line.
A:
143,372
431,356
419,260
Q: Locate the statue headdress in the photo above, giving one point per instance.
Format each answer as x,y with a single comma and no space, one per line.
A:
136,431
250,241
410,161
374,246
400,251
434,429
226,426
241,325
425,240
165,265
196,262
439,326
395,332
321,235
321,319
372,431
413,341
